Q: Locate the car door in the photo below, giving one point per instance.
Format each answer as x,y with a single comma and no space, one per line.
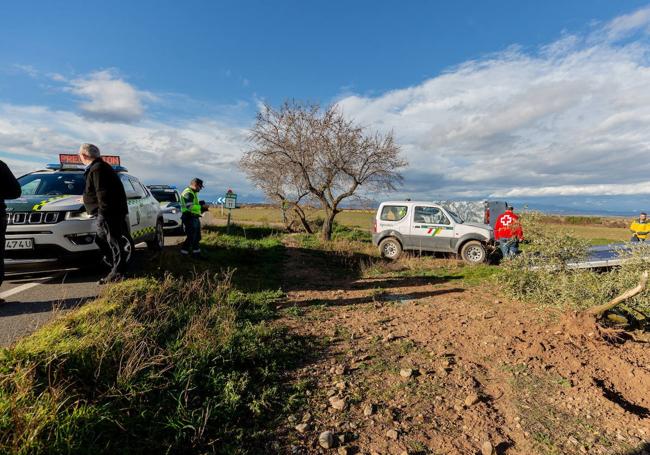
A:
133,202
148,213
431,229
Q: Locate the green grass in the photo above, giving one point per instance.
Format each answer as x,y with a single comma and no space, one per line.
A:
361,219
160,364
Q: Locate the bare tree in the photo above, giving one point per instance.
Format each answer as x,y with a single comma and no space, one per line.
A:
270,174
322,153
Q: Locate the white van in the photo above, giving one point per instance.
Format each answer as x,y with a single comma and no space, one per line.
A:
426,226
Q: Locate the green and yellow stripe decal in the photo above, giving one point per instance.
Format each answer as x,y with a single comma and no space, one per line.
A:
143,232
40,205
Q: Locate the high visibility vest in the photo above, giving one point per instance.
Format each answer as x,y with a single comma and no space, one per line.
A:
195,208
640,229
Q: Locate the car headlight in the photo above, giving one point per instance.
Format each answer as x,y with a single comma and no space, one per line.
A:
173,211
77,215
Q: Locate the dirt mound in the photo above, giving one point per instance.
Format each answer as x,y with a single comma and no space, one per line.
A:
421,365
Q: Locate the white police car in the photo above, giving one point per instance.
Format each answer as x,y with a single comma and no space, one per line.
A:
170,204
49,221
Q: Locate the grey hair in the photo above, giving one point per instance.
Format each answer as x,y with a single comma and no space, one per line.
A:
90,150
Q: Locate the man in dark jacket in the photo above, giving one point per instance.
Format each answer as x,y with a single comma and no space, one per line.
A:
9,189
105,198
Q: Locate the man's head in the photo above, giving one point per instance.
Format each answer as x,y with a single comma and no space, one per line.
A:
88,153
509,207
196,184
643,216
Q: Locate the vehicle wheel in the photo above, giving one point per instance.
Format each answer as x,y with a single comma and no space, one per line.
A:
473,252
158,242
390,248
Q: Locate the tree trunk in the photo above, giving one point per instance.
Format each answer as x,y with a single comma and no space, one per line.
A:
328,224
600,309
303,219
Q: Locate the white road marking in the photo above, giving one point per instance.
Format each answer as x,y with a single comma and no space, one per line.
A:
25,287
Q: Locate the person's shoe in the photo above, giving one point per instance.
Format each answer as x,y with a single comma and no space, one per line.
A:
184,252
197,251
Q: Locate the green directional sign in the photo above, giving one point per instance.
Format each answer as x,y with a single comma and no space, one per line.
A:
231,200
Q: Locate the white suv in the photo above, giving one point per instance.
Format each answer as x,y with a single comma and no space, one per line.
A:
49,222
170,204
426,226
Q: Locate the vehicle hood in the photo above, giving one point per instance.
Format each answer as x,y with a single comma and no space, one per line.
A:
45,203
478,225
476,228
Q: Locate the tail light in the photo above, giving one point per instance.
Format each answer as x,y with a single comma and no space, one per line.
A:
486,218
374,226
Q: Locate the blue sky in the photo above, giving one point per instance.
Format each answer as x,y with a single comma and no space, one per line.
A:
490,98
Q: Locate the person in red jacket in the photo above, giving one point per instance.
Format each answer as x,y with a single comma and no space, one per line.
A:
508,232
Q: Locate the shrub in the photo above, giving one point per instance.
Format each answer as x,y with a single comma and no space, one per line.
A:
541,273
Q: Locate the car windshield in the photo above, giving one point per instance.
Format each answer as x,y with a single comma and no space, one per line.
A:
454,215
165,196
52,184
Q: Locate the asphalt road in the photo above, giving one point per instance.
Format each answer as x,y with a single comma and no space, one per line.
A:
35,295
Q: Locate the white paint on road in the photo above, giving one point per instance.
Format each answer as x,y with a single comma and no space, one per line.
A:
25,287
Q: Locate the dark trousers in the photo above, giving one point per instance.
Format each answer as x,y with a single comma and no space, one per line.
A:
509,247
3,230
193,231
112,238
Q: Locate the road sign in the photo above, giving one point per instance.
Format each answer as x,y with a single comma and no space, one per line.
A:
230,200
221,200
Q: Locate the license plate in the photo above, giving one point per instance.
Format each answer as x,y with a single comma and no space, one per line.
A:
19,244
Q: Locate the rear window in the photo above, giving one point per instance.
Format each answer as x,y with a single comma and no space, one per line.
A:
165,195
392,212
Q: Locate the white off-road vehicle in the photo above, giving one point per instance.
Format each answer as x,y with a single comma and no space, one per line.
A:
49,222
425,226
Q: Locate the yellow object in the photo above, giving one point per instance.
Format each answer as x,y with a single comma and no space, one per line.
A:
195,208
641,230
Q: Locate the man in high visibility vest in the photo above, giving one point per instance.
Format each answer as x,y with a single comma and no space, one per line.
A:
191,216
640,228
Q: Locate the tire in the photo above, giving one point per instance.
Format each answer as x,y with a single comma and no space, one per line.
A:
473,252
390,248
158,242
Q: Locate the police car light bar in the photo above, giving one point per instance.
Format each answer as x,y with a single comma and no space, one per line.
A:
68,158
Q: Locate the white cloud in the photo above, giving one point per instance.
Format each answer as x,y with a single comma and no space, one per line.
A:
109,98
572,118
155,151
628,23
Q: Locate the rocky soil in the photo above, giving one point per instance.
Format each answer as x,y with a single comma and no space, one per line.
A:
422,365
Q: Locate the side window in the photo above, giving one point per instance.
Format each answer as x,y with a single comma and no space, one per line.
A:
429,215
128,187
392,212
139,190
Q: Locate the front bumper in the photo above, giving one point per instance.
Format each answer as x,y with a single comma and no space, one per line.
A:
54,241
172,221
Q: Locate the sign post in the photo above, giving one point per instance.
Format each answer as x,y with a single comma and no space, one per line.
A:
230,203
